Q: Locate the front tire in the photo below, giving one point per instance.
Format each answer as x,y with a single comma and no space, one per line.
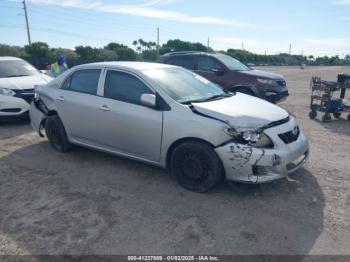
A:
56,134
196,166
244,90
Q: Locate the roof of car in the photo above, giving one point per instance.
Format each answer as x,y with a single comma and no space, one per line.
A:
188,53
7,58
138,66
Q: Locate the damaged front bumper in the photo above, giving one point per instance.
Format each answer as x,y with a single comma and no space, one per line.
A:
244,163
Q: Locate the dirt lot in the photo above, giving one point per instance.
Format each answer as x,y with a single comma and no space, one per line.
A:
87,202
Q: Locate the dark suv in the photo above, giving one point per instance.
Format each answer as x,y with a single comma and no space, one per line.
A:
230,74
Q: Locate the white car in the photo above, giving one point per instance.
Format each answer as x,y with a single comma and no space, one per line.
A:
17,81
172,118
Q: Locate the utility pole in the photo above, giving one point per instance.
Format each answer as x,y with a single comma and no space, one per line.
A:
242,46
290,49
26,16
208,46
157,41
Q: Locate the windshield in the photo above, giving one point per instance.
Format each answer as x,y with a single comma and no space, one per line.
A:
16,68
184,86
231,63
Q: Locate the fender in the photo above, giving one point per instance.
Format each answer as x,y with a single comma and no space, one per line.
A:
41,106
250,87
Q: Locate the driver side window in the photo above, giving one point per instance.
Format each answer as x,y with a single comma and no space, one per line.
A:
124,87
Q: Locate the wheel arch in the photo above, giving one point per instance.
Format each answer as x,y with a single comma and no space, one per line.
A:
181,141
49,113
249,88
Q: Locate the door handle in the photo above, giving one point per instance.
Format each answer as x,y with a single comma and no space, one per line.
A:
60,98
104,108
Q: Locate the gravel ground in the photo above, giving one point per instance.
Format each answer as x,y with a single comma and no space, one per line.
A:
87,202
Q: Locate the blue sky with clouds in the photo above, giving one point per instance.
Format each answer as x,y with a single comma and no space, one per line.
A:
318,27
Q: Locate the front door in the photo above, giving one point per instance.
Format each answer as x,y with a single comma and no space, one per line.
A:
206,66
128,126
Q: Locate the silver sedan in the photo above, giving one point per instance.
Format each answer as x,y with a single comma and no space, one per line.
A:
170,117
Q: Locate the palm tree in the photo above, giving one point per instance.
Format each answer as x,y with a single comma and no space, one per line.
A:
134,44
142,43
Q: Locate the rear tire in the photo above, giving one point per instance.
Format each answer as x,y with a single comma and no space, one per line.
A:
56,134
196,166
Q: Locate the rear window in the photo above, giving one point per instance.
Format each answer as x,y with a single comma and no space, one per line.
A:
83,81
187,62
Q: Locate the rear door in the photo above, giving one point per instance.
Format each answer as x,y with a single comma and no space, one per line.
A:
76,102
128,126
187,62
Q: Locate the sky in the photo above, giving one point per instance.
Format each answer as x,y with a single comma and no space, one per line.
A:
312,27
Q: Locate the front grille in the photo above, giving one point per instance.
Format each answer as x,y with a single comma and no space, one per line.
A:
291,136
26,94
281,82
277,123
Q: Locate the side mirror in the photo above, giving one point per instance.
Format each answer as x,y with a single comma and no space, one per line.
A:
218,71
148,100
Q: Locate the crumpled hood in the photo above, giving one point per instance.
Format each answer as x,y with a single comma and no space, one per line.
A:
263,74
24,82
242,112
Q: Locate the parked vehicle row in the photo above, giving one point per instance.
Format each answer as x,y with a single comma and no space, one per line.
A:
17,81
173,118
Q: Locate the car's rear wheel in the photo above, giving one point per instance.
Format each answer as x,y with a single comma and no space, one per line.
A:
196,166
56,134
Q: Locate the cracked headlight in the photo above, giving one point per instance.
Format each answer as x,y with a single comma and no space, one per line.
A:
264,142
252,137
255,139
6,92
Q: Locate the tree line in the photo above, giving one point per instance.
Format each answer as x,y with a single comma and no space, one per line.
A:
40,53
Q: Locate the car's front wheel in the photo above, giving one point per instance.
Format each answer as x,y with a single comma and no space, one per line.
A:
244,90
196,166
56,134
